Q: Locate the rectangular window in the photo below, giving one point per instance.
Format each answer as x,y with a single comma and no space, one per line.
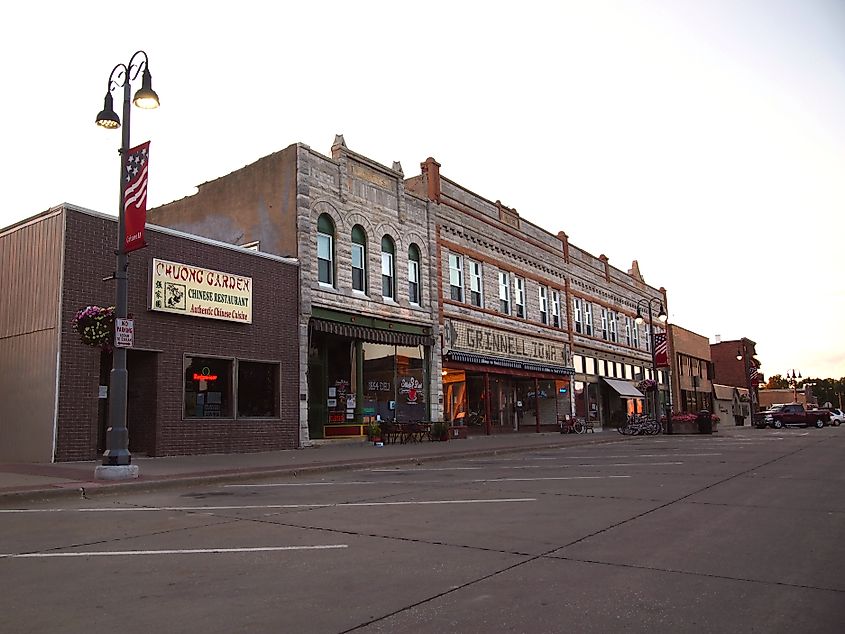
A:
504,293
359,277
589,365
325,268
519,301
613,319
578,363
647,338
628,329
636,334
476,286
555,309
456,277
414,282
542,294
387,275
588,318
605,331
578,314
258,390
208,387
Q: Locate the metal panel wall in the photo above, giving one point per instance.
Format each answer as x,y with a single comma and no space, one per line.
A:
30,265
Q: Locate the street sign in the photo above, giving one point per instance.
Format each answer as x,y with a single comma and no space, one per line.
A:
124,333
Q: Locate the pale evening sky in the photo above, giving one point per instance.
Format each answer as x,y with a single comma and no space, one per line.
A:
703,138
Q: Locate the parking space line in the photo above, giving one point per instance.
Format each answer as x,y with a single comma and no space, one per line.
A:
189,551
253,507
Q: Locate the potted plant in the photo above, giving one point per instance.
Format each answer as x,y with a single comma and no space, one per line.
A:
440,431
95,326
374,432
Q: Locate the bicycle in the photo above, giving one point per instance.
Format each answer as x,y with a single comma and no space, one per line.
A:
636,425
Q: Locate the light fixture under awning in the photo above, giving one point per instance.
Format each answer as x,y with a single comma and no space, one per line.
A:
623,388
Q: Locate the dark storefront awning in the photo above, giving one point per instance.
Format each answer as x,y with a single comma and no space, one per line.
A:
502,362
624,389
371,335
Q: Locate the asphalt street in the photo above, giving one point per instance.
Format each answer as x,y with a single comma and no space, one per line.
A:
657,534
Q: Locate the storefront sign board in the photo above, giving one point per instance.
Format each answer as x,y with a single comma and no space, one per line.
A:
199,292
465,337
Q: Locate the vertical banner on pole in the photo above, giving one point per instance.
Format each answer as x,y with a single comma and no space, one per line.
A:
135,173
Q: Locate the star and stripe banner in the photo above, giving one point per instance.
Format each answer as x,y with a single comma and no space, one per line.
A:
135,196
752,372
661,350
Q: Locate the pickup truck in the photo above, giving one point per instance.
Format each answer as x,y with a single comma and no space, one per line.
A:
796,415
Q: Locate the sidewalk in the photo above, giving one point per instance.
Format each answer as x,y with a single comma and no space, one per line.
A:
39,481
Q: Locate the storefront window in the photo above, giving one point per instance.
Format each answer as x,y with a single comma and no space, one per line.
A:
258,389
394,382
208,387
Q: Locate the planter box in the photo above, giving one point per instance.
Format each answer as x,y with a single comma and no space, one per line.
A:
457,431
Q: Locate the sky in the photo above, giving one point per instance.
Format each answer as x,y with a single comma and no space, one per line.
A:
703,138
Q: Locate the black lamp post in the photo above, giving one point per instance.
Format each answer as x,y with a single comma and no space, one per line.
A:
116,458
743,355
793,383
662,317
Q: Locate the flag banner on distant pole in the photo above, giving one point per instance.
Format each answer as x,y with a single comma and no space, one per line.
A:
135,196
752,372
661,350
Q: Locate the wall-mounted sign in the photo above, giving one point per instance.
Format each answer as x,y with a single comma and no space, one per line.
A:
200,292
464,337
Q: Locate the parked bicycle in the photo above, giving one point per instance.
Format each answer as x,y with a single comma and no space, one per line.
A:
636,425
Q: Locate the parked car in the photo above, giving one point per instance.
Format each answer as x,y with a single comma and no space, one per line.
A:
837,417
796,415
763,419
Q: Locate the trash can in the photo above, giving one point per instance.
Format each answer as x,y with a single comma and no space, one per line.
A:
705,422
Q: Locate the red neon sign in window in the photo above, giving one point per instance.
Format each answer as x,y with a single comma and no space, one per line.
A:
206,375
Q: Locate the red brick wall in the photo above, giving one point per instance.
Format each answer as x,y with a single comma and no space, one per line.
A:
272,336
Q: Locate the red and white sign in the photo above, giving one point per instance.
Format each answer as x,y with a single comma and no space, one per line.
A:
124,333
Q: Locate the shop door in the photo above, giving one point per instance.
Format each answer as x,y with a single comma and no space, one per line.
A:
141,401
317,391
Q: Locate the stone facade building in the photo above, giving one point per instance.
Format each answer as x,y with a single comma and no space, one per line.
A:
368,300
534,329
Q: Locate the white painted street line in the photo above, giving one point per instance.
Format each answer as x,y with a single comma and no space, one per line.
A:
552,478
300,484
530,466
192,551
248,507
600,457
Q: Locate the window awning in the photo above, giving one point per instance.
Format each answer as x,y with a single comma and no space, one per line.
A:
623,388
503,362
371,335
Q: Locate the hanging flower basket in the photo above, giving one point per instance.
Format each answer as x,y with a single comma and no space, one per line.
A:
647,385
95,326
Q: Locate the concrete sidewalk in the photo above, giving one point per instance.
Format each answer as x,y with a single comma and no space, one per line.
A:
33,481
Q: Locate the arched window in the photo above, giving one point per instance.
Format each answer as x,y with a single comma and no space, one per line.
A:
414,275
388,270
325,250
359,259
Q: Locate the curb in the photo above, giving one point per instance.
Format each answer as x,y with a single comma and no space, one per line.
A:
93,489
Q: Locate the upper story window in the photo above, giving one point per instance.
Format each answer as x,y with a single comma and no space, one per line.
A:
613,319
635,335
456,277
588,318
325,250
476,285
647,338
414,275
388,268
543,296
629,329
605,331
578,315
555,309
504,292
359,259
519,300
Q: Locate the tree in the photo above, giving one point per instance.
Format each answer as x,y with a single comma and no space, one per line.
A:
777,382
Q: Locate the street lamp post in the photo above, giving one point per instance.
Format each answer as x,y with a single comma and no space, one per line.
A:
793,383
662,317
117,461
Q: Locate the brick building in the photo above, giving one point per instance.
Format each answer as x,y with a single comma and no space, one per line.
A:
534,329
692,371
367,305
735,364
216,383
